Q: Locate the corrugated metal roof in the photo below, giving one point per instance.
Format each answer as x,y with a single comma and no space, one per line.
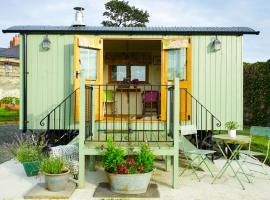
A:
12,52
132,30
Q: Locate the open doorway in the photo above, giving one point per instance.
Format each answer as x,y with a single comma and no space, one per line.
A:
132,75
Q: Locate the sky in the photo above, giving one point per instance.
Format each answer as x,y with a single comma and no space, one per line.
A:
250,13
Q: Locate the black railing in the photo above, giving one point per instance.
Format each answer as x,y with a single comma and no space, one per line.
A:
61,122
128,113
195,113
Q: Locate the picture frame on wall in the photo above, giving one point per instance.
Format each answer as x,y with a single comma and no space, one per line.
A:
156,60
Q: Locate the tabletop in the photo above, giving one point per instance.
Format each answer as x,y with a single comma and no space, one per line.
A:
239,139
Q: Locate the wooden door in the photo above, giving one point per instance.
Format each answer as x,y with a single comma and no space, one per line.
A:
177,62
88,62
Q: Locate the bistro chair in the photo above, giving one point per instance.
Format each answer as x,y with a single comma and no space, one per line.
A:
108,98
194,157
150,100
254,155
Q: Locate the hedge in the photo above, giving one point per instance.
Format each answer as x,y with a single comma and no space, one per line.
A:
10,100
257,94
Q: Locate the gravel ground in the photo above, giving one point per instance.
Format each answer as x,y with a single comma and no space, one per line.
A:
7,133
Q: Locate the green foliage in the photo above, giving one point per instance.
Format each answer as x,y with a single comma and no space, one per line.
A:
120,13
146,158
8,115
112,157
231,125
28,152
10,100
116,160
257,93
25,147
51,165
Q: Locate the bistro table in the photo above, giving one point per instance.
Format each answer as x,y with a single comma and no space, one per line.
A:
239,141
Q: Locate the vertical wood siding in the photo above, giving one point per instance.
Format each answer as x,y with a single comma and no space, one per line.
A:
49,75
217,77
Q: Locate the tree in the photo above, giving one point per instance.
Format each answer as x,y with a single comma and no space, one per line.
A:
120,13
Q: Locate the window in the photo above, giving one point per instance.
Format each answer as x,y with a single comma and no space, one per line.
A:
118,73
177,64
138,72
88,61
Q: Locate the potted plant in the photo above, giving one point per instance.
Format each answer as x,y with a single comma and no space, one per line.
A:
135,82
56,173
128,174
231,126
29,155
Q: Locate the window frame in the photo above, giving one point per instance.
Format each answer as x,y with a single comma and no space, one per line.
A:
128,72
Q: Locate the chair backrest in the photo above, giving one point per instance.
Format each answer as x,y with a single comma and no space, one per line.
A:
260,131
188,129
108,96
150,96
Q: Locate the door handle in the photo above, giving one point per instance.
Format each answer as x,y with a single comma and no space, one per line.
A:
77,73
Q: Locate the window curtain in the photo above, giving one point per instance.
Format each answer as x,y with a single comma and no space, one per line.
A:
177,64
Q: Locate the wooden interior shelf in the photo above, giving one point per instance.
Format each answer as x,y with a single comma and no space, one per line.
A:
122,89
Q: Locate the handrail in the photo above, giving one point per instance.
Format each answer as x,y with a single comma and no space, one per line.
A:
42,123
218,121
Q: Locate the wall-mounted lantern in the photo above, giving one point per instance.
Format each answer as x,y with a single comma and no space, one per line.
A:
46,43
216,44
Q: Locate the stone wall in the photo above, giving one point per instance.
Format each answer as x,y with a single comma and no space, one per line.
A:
9,77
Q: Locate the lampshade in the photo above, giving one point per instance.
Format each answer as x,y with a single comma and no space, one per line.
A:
46,43
216,44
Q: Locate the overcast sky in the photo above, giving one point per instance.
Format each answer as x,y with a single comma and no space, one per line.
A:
251,13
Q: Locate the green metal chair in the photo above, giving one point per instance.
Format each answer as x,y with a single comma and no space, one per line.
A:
254,155
195,157
108,97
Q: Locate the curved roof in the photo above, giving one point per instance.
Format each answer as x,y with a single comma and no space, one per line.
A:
133,30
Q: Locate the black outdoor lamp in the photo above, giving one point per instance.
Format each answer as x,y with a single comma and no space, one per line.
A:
46,43
216,44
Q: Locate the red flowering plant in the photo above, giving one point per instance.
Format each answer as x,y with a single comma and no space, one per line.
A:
116,160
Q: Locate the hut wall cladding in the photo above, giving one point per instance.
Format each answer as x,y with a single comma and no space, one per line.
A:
50,77
217,77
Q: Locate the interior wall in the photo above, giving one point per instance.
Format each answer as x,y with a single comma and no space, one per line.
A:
154,75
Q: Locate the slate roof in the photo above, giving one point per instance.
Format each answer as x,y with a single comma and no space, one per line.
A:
133,30
12,52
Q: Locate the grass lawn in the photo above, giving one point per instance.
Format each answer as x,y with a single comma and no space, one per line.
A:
8,115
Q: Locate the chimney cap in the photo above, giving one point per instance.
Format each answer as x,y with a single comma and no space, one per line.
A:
78,8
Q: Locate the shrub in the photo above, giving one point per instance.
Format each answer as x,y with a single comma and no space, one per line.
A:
257,94
116,160
113,156
28,153
25,147
51,165
10,100
145,159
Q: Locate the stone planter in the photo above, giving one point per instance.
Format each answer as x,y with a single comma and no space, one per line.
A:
129,183
31,168
56,182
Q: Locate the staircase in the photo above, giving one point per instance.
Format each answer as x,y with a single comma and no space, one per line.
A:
61,124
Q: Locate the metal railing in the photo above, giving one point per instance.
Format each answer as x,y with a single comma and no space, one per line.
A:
61,124
128,113
195,113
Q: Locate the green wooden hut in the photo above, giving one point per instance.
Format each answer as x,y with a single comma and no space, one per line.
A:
129,84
